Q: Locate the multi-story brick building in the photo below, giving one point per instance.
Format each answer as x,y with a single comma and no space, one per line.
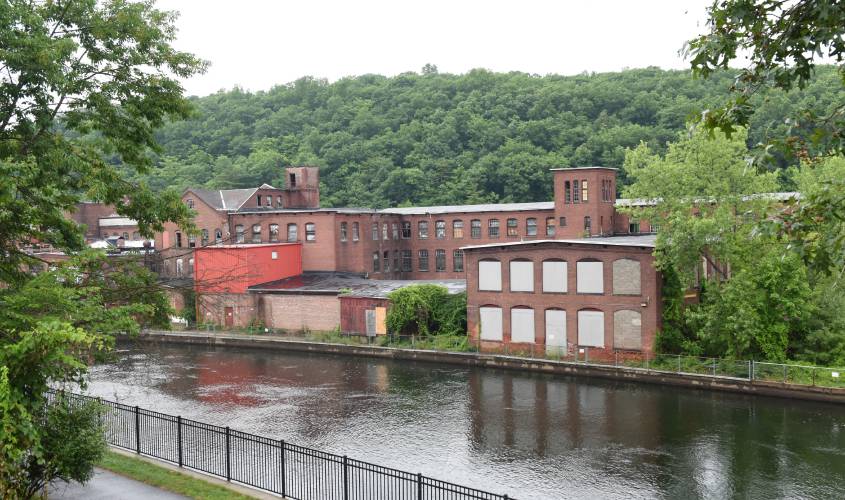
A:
605,293
394,243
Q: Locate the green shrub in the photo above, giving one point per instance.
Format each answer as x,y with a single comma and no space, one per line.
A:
426,310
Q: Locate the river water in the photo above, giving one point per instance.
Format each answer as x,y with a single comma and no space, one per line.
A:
528,435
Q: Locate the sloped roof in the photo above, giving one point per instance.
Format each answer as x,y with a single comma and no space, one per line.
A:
226,199
644,240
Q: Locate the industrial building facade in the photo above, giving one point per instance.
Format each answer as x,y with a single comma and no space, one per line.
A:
561,273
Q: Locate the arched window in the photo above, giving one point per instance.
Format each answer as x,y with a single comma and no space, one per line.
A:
490,275
376,262
627,329
522,324
585,192
310,231
274,233
292,232
522,275
218,236
513,229
555,329
343,229
440,260
204,237
567,192
555,276
239,233
422,260
493,228
458,261
256,233
475,228
575,191
422,229
440,229
550,226
626,277
356,234
589,276
375,231
386,261
490,322
531,226
190,203
457,229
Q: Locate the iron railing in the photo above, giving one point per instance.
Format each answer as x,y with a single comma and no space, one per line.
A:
267,464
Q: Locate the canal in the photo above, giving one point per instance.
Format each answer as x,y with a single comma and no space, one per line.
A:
530,436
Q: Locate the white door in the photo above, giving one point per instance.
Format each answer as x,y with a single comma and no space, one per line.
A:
555,328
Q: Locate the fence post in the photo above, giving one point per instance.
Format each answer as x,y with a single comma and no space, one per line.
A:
179,437
345,478
228,464
137,430
282,444
419,486
751,370
714,367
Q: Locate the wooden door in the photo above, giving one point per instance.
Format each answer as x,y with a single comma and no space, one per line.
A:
230,317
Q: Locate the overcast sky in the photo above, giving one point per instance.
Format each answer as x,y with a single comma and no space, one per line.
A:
256,44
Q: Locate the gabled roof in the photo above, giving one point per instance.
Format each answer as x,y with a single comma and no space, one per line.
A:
226,199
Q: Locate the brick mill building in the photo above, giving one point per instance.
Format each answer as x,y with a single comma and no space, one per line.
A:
568,272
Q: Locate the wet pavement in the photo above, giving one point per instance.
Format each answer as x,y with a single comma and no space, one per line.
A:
107,485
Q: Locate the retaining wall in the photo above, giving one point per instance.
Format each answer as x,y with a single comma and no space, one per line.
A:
763,388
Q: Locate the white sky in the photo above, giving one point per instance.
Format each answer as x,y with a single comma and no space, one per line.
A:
256,44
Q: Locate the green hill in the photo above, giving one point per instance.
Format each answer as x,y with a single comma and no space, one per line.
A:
444,139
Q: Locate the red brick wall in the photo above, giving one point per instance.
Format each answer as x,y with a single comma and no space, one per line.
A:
571,301
317,255
317,313
89,213
601,212
212,307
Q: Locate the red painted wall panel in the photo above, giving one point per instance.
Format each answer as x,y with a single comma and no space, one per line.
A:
233,268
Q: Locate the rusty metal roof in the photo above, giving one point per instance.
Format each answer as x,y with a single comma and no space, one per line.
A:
347,284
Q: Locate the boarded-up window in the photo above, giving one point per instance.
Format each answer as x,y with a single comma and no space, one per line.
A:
522,325
522,276
591,328
555,327
554,276
490,275
590,277
491,323
626,277
627,330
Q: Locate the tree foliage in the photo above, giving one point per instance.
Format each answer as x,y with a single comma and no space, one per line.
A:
758,300
784,42
83,85
437,138
426,310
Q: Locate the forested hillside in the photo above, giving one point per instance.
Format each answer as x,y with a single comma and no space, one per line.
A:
435,138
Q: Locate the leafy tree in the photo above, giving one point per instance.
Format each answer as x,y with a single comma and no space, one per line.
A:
83,86
756,303
783,42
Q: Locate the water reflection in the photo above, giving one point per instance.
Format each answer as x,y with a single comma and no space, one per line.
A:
526,435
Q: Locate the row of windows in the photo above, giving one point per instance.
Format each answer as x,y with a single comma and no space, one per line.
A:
402,261
125,235
402,230
589,276
578,191
256,235
627,327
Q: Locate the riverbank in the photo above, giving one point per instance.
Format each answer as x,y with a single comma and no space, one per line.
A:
622,373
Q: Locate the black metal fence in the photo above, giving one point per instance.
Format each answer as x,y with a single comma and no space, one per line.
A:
268,464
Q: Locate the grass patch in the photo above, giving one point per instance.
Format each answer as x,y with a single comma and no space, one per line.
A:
166,479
